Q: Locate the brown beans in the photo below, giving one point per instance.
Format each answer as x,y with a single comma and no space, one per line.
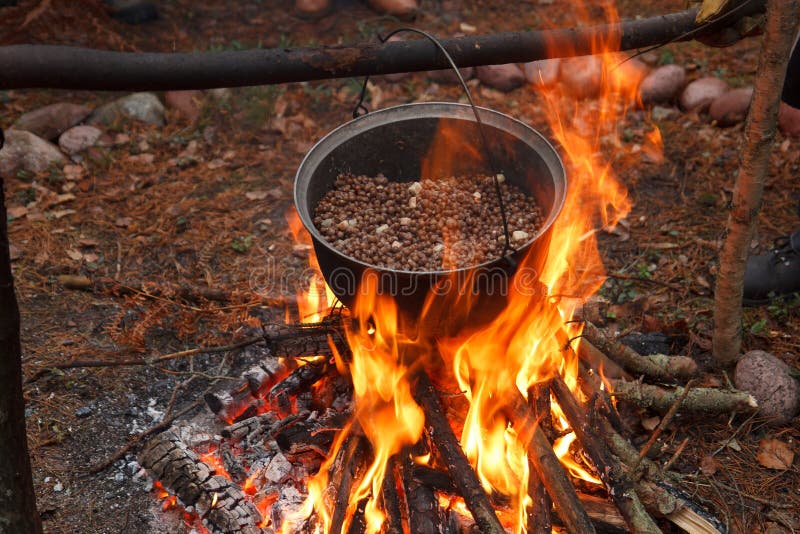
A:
424,226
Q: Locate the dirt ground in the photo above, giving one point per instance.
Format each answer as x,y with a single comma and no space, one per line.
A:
215,218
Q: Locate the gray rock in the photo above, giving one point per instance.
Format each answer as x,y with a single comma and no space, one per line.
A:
27,152
662,84
581,76
502,77
699,93
731,108
144,107
50,121
542,73
83,411
767,378
79,138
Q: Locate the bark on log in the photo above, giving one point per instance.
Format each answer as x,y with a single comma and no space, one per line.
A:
654,365
619,486
391,499
539,521
60,67
423,507
549,469
698,400
457,464
17,498
759,133
220,503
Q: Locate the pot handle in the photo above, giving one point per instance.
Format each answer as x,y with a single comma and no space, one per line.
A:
361,109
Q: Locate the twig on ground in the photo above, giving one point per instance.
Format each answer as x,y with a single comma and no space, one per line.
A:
698,400
676,454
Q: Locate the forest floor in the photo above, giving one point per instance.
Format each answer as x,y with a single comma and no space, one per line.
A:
216,219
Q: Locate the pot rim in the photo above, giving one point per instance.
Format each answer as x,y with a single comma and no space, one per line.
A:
489,117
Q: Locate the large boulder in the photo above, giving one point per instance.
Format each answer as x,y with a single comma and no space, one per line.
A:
144,107
24,151
51,121
731,108
768,379
502,77
662,84
699,94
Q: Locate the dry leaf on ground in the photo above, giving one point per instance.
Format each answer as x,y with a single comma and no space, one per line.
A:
775,454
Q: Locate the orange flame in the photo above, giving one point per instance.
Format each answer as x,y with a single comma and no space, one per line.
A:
316,300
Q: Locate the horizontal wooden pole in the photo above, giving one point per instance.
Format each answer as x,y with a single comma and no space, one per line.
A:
65,67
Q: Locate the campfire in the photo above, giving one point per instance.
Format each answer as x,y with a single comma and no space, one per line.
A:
373,418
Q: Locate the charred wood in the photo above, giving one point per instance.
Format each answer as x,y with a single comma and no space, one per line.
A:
391,500
457,464
619,486
539,520
310,432
548,468
299,380
423,507
220,503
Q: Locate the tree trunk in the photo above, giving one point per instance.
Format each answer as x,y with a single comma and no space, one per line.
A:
759,132
17,498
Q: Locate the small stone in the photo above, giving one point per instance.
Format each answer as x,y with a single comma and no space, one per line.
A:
187,103
699,94
768,379
501,77
51,121
144,107
662,84
382,228
542,73
448,76
397,245
581,76
412,202
519,235
119,477
24,151
79,138
415,188
660,113
731,108
789,120
83,411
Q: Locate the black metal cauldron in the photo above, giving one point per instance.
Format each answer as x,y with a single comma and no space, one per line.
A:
395,141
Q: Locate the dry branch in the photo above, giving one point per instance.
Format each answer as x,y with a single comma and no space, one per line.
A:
698,400
219,502
423,507
759,132
539,520
654,365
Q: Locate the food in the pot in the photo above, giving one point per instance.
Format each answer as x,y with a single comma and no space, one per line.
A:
430,225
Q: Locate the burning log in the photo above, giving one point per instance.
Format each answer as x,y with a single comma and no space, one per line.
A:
539,521
298,380
391,500
457,464
423,507
228,406
619,486
698,400
251,429
220,503
548,468
654,365
310,432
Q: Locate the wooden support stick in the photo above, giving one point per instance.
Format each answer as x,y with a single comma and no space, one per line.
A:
457,464
391,500
654,365
698,400
423,507
548,468
616,481
344,476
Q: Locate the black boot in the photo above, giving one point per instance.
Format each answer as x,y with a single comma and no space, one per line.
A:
774,274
